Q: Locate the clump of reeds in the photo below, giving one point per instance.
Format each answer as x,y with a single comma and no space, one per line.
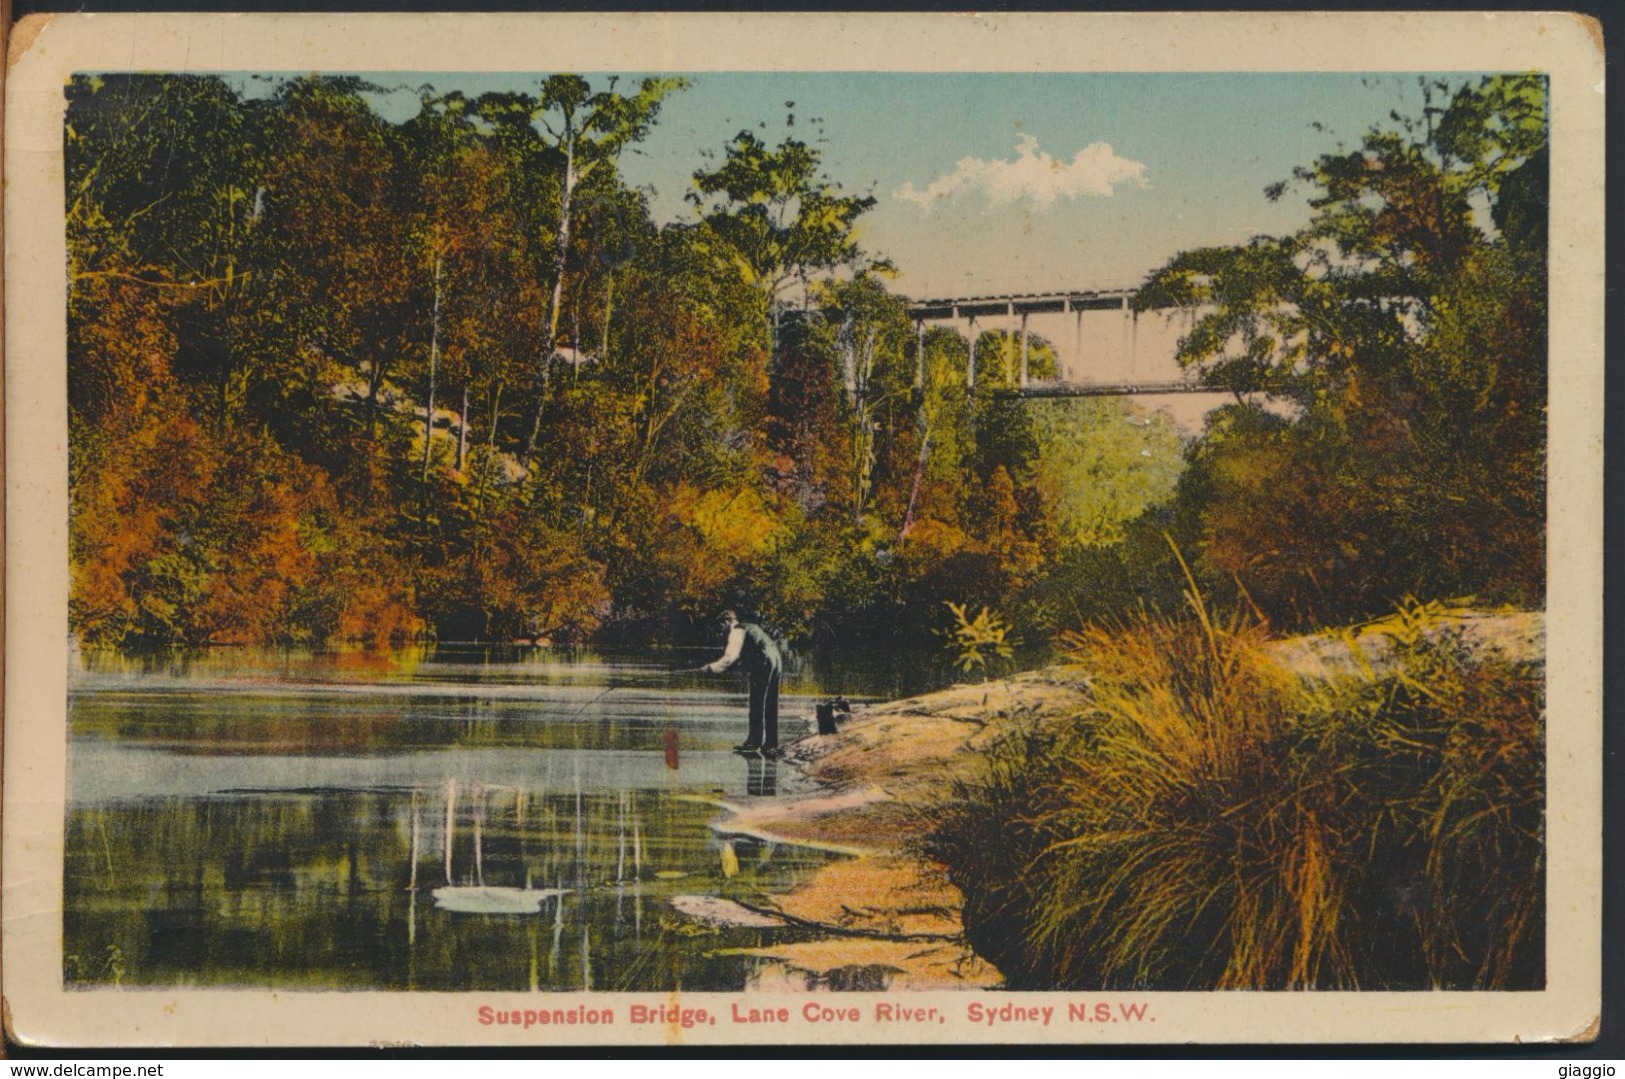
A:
1216,821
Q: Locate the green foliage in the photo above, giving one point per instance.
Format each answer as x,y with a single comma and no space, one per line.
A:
1102,463
1410,339
105,969
978,642
572,135
771,216
519,579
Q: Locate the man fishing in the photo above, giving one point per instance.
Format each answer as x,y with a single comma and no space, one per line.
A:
753,650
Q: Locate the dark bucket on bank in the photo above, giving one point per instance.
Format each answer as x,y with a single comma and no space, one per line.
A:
832,712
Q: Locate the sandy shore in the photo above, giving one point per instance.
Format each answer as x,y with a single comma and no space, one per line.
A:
891,918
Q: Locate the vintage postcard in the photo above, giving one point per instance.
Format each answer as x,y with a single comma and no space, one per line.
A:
716,529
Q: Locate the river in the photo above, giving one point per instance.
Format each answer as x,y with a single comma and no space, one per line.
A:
439,818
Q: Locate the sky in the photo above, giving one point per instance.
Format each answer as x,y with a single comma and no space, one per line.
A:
1029,183
992,183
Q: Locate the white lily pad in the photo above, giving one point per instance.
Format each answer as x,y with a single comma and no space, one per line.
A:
477,899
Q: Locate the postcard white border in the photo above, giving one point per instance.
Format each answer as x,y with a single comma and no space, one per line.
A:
46,52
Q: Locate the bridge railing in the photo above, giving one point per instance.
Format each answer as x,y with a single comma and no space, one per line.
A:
1028,303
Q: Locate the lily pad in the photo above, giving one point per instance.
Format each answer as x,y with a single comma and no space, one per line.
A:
473,899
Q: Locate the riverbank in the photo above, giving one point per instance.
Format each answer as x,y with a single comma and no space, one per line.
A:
891,918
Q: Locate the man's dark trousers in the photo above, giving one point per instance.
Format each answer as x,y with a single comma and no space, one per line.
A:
764,705
759,656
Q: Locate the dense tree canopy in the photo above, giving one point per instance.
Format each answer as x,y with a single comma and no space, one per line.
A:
333,376
336,377
1408,328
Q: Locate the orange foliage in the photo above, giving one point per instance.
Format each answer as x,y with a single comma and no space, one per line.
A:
183,534
373,612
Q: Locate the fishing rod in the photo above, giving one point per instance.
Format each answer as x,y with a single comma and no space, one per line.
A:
613,686
607,691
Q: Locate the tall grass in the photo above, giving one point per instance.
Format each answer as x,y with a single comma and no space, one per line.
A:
1214,820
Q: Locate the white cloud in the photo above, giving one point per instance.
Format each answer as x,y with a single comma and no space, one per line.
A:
1033,176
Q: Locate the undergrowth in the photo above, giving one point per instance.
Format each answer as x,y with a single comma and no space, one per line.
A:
1213,820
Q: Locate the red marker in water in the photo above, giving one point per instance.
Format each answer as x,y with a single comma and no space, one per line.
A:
671,747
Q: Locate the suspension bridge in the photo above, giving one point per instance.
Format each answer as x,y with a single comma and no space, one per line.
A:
1095,364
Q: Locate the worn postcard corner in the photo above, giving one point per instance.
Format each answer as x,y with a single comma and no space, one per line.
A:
604,531
1589,1032
23,34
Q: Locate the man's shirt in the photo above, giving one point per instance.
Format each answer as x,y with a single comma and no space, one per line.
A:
730,654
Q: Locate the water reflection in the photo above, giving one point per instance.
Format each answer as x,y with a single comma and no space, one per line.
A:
761,775
335,823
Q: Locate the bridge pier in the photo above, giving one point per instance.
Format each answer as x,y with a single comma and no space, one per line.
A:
1077,339
1133,341
1124,344
970,371
1004,347
1023,350
919,354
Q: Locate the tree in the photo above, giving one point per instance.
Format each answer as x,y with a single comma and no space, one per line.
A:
1392,225
342,264
946,431
1102,463
163,177
773,219
275,296
586,132
456,203
1410,335
868,334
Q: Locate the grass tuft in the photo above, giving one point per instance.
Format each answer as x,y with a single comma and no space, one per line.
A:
1213,820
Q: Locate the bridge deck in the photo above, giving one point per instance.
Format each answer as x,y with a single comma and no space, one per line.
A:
1028,303
1104,389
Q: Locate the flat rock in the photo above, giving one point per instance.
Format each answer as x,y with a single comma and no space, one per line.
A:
714,910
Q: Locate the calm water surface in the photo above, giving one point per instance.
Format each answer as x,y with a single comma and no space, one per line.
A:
442,818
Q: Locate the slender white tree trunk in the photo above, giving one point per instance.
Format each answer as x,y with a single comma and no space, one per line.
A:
560,259
434,362
462,428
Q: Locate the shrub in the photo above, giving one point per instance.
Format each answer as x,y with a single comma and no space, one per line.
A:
979,643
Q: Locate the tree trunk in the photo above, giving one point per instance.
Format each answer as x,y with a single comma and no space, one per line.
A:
559,261
575,344
375,381
496,414
462,428
434,363
861,359
609,305
970,372
586,499
914,488
491,451
925,446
